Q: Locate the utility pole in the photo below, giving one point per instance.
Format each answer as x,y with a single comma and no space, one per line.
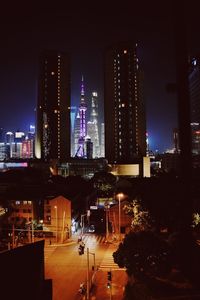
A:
88,283
88,269
107,206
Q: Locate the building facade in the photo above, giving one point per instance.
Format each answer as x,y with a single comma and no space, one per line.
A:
194,89
93,126
125,129
53,107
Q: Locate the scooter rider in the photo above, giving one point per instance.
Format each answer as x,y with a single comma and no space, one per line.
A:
81,247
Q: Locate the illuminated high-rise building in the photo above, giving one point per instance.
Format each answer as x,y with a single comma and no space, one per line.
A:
125,128
53,107
102,140
76,133
92,126
80,152
73,111
2,138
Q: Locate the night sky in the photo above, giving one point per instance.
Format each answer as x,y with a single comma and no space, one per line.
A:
84,31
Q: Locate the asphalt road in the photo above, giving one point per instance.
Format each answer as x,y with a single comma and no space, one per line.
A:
68,269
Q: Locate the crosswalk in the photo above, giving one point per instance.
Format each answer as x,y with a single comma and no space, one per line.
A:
108,264
93,239
108,261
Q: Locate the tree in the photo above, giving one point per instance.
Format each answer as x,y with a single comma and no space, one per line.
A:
104,183
140,217
143,254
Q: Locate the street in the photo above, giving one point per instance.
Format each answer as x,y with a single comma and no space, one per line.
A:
68,269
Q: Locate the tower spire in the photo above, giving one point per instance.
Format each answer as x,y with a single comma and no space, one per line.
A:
82,87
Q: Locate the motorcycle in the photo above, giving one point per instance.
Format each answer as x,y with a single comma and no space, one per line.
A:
82,289
81,250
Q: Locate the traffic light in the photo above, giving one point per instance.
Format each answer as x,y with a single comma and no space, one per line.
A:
108,285
109,275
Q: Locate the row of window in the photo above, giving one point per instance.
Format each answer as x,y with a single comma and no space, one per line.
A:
17,202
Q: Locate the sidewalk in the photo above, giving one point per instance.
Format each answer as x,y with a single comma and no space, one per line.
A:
104,289
100,289
50,242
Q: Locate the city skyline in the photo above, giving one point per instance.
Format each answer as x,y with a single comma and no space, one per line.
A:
25,33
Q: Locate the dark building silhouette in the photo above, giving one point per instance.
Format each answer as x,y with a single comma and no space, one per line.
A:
194,89
53,107
125,129
23,275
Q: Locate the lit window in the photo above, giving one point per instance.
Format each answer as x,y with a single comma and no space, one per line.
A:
125,51
123,104
17,202
52,73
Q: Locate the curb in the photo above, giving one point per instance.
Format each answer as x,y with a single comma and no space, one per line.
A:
62,245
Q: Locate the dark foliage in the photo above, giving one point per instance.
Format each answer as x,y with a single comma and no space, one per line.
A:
186,255
143,254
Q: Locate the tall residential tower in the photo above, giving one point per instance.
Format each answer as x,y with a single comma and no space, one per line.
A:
125,129
53,107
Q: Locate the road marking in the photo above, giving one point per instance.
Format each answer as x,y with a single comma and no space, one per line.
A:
108,263
95,239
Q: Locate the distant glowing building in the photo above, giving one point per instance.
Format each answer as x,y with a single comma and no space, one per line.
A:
27,149
82,114
76,133
19,137
195,138
125,126
102,140
53,107
73,110
92,126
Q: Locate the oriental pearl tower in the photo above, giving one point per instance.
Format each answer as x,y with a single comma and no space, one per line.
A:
82,111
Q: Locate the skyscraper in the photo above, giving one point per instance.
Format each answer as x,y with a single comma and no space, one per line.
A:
92,125
194,88
102,140
53,107
125,129
76,133
73,111
82,111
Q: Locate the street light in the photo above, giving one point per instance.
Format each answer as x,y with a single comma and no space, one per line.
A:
120,196
82,223
56,208
107,206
